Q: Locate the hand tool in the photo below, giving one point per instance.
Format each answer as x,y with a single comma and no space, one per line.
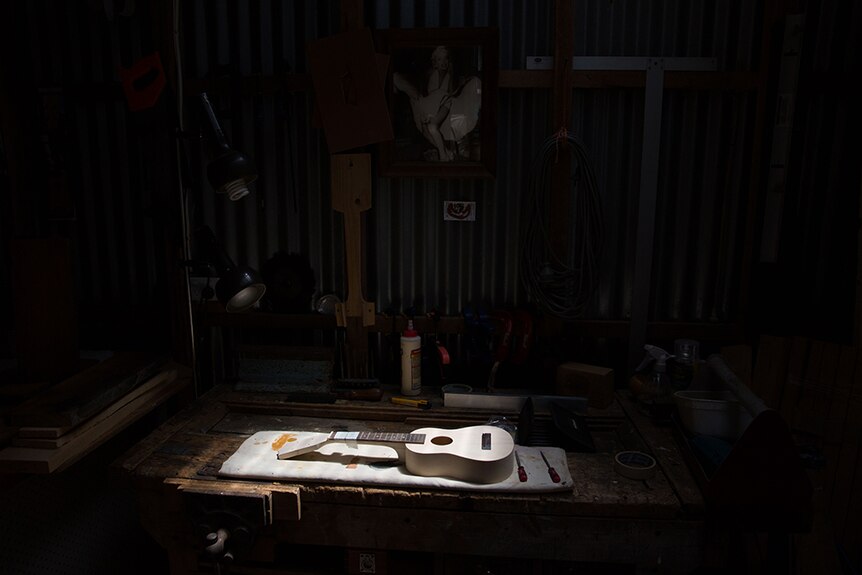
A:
551,471
420,403
522,474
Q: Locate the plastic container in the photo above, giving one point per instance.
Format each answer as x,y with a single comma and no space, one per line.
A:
713,413
411,361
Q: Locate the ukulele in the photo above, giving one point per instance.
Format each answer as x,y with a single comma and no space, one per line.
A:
477,454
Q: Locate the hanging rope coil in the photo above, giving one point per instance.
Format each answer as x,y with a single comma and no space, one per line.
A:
562,288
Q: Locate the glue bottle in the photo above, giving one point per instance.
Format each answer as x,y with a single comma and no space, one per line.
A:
411,361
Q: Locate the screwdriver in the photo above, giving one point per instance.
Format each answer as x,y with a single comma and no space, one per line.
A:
522,474
551,471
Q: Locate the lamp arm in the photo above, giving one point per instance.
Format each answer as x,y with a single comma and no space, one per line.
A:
212,252
217,132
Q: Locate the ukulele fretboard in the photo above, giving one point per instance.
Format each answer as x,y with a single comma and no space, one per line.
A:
377,436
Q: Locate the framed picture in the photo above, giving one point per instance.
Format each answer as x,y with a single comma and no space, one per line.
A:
442,96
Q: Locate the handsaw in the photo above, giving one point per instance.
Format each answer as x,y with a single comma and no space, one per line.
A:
351,195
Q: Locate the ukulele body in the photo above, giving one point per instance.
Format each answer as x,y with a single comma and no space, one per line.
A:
476,454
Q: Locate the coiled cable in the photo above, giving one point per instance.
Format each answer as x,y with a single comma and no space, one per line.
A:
562,287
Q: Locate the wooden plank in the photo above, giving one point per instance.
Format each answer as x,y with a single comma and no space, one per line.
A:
852,532
527,79
836,418
770,370
27,460
848,524
833,431
54,442
807,413
848,454
87,393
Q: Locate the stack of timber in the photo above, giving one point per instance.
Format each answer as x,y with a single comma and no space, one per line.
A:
60,426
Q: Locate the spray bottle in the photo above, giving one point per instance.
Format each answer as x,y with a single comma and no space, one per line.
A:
411,361
653,388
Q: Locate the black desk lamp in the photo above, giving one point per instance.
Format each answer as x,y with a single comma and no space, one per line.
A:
238,287
230,172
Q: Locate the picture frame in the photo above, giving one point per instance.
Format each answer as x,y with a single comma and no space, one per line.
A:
442,96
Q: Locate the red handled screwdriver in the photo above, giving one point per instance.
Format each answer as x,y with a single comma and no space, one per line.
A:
522,474
551,471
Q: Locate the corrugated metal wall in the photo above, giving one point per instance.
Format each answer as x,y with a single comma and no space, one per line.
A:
415,258
419,260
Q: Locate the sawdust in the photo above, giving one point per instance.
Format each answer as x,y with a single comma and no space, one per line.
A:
282,439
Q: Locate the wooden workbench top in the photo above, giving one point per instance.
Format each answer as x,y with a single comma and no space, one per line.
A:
605,518
195,443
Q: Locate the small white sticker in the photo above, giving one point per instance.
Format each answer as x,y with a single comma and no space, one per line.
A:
367,563
459,211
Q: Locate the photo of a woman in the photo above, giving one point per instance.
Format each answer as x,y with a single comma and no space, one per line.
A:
444,105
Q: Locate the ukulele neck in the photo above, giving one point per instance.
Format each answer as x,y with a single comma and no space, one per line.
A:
377,437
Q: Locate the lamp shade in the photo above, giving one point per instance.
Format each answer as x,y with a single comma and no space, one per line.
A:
239,288
230,172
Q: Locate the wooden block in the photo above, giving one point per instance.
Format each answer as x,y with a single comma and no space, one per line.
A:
279,502
30,460
593,382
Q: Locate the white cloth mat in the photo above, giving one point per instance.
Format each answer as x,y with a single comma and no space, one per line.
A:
366,464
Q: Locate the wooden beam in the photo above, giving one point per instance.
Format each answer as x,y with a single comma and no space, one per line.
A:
731,81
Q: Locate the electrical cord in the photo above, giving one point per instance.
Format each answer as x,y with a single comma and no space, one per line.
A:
562,288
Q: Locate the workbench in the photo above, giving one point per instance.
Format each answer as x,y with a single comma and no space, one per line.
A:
647,525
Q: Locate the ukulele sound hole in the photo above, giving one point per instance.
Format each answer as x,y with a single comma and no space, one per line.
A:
441,440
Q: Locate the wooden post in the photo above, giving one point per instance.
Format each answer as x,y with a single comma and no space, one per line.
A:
771,13
857,331
351,195
559,223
